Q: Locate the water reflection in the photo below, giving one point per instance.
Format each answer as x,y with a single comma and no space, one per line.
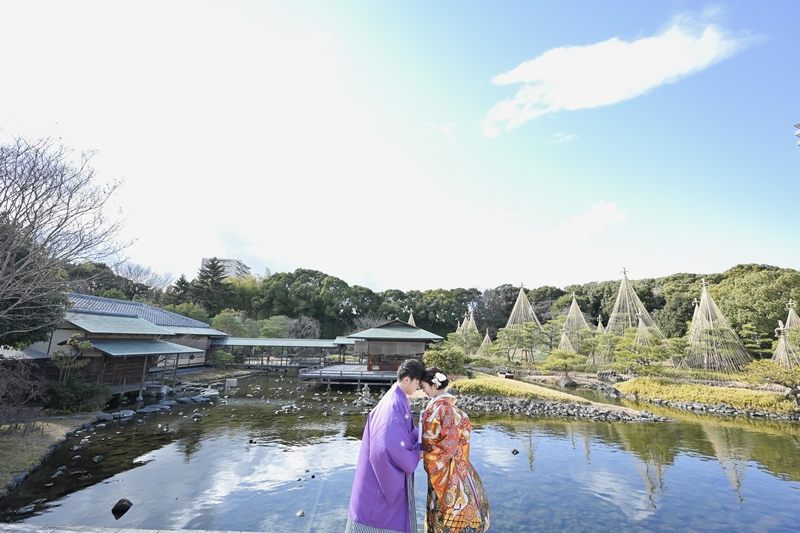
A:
253,462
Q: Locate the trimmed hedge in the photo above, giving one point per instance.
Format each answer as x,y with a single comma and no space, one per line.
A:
487,385
743,399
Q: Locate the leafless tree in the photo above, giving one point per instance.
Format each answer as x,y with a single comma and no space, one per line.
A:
144,275
304,327
52,212
19,384
360,323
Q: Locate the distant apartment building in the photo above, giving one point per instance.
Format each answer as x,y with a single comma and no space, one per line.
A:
233,267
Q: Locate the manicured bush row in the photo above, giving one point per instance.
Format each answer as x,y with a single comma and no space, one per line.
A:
487,385
650,388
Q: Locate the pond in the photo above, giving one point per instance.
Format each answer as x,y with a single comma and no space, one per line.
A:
253,464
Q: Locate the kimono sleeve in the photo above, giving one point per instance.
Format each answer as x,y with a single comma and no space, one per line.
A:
402,446
443,448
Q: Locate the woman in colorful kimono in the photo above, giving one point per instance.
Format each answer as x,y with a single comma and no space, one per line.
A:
457,501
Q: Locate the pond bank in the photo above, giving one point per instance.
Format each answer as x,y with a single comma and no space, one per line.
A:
20,454
472,403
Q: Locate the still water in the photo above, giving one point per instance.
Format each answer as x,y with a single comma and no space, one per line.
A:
253,464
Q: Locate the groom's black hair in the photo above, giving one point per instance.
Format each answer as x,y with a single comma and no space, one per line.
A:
412,368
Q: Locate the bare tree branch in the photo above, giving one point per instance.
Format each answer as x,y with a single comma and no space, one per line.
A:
144,275
52,213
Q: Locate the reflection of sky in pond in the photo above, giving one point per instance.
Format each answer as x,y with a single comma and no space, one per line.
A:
567,476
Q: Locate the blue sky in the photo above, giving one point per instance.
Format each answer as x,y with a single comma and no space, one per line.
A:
418,145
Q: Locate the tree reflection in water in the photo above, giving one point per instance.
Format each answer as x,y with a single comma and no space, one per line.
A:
248,465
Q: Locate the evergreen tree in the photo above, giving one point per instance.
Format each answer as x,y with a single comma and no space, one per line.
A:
210,290
179,293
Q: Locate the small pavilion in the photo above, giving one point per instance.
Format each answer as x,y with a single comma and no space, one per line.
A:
388,345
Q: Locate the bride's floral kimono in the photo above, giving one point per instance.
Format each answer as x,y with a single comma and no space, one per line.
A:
457,501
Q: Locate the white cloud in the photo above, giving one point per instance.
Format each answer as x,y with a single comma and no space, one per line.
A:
560,137
595,220
445,129
580,77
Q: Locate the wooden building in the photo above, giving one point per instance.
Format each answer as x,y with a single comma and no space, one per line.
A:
386,346
127,341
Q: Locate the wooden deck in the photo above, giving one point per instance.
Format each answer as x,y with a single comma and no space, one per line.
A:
348,375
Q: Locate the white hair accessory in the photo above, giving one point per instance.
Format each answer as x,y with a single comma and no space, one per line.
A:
438,379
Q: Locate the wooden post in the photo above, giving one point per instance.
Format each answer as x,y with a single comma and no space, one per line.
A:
144,374
175,371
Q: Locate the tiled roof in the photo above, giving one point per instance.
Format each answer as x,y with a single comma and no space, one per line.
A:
275,343
93,322
154,315
139,347
396,330
211,332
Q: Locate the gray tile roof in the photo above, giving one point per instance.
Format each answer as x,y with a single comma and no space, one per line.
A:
396,330
93,322
154,315
139,347
181,330
275,343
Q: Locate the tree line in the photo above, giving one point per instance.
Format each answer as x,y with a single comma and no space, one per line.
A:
56,237
753,297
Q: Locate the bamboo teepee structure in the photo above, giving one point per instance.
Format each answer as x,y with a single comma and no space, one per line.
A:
469,326
522,312
484,347
467,333
629,312
628,308
565,344
786,354
792,321
574,325
712,343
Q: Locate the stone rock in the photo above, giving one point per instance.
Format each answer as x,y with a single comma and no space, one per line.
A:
125,413
120,508
567,382
150,409
97,458
104,417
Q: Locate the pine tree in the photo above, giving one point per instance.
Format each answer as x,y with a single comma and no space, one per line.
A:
210,290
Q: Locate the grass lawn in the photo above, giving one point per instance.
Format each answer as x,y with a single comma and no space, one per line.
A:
739,398
487,385
19,452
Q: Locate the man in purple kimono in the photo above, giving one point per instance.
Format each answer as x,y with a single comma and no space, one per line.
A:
382,500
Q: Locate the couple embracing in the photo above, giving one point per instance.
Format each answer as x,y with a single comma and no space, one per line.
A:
382,500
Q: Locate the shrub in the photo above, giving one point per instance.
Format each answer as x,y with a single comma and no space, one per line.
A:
482,362
743,399
222,358
487,385
449,358
77,394
564,361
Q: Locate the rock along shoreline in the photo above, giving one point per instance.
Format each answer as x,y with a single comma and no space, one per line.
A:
508,405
